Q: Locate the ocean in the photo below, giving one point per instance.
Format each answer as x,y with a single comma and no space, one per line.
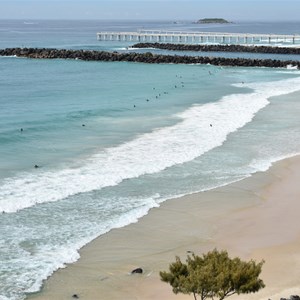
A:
114,139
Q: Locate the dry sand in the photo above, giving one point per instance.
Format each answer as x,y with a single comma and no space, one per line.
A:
255,218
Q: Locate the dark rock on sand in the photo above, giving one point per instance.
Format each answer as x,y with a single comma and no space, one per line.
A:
293,297
137,271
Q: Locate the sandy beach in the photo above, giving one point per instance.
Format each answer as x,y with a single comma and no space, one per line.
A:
253,218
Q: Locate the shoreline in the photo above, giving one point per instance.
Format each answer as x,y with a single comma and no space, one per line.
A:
248,218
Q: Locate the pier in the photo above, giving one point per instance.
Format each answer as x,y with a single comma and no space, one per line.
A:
198,37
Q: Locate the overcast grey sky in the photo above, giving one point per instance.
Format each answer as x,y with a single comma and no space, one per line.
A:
151,9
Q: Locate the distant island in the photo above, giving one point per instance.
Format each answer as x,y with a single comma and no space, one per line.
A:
212,21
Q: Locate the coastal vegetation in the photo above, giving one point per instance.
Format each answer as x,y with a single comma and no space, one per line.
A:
214,275
212,21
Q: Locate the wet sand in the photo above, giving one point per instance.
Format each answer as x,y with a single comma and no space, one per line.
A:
254,218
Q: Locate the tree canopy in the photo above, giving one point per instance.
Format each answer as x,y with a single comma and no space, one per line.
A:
213,275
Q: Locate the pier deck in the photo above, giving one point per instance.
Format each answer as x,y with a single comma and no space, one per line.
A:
198,37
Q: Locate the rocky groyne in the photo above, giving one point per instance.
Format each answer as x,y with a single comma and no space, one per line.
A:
46,53
219,48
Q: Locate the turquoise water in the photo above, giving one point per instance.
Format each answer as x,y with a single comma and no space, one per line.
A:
202,127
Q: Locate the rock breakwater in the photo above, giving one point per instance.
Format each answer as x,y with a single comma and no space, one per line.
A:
87,55
219,48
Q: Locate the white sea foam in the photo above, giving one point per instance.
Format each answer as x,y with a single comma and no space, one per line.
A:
121,48
200,129
289,71
291,67
8,56
55,254
134,48
262,165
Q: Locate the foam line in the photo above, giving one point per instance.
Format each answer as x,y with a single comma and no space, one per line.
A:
200,129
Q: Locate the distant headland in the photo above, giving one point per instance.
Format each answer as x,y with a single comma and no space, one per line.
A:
212,21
